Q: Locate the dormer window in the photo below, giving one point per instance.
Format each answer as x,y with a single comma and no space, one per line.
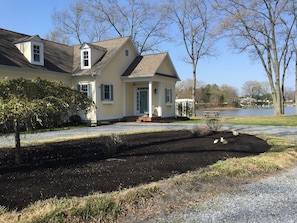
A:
36,53
86,58
90,54
32,48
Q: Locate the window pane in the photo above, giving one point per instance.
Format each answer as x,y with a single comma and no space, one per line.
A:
86,58
106,92
86,63
36,53
84,89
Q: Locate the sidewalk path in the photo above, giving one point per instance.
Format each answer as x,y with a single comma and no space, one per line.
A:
8,141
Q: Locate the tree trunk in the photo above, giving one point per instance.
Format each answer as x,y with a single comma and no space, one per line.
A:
18,149
194,89
295,81
278,96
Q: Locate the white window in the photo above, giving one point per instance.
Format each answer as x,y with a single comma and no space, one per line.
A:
36,53
86,58
168,95
85,55
86,89
106,92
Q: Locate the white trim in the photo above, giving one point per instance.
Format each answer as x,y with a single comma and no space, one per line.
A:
160,97
124,99
137,89
82,59
150,99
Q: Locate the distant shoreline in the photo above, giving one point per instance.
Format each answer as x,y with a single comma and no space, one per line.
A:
218,108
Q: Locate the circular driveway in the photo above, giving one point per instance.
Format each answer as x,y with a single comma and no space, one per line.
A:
27,138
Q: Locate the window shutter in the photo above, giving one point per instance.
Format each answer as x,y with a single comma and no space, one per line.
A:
111,92
89,90
102,92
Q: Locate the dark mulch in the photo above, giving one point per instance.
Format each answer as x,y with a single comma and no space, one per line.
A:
80,167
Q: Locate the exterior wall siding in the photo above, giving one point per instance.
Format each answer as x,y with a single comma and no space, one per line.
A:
111,74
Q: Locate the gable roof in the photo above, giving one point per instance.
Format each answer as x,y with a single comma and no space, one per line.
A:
57,57
147,66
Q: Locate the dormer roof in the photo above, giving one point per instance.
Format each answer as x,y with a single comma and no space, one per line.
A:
28,39
92,46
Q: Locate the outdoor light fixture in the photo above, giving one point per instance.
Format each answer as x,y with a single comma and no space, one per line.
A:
155,91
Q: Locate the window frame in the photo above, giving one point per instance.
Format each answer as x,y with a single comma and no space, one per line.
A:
36,53
104,98
168,96
87,91
86,58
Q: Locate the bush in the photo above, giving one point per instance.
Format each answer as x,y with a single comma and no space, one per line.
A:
75,119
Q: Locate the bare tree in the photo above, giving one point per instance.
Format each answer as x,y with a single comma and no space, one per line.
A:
72,22
252,88
184,88
260,28
230,94
293,12
56,36
193,20
144,21
76,24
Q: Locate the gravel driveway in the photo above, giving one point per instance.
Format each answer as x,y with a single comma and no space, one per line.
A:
270,200
8,141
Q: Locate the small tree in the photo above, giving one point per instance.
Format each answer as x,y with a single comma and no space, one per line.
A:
36,100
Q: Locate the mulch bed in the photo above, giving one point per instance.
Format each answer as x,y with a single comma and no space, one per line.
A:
82,167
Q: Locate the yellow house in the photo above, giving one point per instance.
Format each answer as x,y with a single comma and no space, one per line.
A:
121,82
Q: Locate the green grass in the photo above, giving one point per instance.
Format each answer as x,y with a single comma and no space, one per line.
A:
285,120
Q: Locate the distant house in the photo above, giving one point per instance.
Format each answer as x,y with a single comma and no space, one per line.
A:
121,82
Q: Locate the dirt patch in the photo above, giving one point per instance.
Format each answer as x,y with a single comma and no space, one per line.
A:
82,167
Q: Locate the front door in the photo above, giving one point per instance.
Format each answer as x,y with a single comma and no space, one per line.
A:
142,100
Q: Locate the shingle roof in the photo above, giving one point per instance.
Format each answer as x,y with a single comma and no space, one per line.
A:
26,39
66,59
147,66
57,57
112,46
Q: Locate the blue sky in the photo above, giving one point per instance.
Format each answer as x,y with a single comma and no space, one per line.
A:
33,17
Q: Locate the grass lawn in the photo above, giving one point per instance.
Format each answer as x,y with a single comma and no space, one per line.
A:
285,120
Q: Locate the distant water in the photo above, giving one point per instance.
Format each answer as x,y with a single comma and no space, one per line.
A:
251,112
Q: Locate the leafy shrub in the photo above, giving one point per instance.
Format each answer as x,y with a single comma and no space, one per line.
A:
75,119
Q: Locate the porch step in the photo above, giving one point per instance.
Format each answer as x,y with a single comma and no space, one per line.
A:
143,118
